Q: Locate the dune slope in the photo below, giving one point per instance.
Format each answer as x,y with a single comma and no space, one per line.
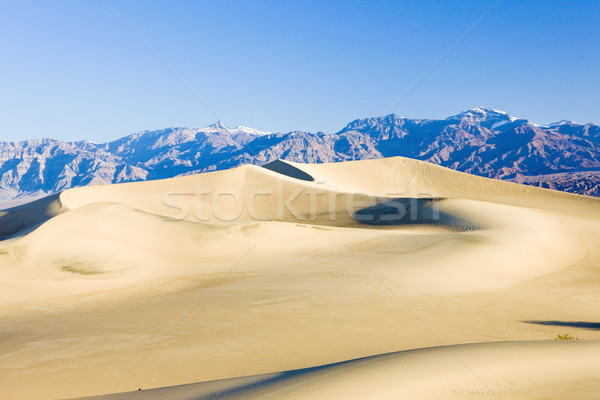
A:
254,270
507,370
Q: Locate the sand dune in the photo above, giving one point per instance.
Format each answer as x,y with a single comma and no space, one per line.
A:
508,370
260,270
18,219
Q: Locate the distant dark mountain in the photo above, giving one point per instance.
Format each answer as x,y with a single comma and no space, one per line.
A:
490,143
480,141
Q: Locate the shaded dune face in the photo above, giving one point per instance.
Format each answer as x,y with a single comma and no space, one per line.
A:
281,167
25,217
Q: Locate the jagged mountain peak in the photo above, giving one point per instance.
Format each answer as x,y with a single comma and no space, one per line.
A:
375,122
219,126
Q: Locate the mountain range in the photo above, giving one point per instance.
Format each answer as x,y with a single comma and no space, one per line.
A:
481,141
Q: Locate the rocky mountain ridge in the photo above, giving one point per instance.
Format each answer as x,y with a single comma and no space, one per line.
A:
481,141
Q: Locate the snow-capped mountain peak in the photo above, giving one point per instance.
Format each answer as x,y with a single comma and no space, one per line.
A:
221,127
248,131
218,126
560,123
488,117
482,113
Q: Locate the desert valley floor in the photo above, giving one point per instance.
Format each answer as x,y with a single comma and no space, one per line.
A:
382,279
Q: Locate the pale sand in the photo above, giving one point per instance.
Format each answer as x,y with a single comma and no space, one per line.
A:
507,370
88,293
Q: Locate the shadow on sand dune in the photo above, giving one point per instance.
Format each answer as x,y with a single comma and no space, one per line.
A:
384,213
230,388
283,168
572,324
404,374
22,218
411,211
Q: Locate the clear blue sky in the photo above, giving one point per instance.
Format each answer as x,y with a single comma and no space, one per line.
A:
71,70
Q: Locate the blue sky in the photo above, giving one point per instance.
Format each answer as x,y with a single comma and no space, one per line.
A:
72,70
